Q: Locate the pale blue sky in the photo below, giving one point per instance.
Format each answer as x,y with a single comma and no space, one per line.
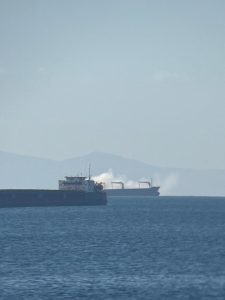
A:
143,79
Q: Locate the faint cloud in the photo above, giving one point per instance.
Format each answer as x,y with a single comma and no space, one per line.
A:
40,69
2,71
164,75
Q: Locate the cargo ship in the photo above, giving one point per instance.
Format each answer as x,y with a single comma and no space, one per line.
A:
140,191
74,190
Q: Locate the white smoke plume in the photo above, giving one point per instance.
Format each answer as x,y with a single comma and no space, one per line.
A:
167,183
108,177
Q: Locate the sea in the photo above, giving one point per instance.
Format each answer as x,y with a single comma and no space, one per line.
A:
158,248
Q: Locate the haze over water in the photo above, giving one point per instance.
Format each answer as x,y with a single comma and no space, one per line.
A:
164,248
139,78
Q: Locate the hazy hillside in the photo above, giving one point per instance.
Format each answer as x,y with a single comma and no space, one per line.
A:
19,171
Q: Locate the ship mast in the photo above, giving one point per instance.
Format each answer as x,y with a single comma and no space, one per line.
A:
89,172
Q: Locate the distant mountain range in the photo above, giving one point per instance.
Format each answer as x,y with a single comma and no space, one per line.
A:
19,171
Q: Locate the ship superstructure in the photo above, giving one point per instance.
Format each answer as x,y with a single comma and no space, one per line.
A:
72,191
79,183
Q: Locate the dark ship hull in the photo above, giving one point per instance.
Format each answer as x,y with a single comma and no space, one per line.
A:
138,192
30,198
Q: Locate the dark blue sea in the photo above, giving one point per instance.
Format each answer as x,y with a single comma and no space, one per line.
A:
163,248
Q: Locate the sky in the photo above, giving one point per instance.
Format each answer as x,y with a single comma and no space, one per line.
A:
140,78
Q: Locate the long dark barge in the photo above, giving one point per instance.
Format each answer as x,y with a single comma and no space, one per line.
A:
72,191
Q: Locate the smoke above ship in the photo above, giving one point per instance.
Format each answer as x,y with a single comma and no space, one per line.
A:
167,184
108,178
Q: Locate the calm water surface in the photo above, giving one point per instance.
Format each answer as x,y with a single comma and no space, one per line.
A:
165,248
